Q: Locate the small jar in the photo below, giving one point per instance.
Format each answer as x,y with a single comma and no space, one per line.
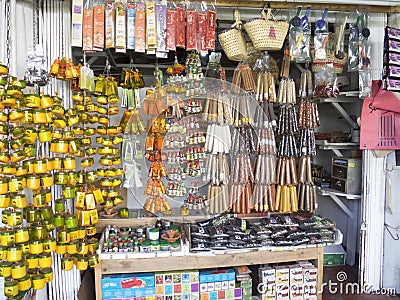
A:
9,169
94,260
68,192
25,247
3,253
45,260
16,184
21,235
72,247
93,244
71,221
87,162
25,283
18,156
32,215
82,248
155,246
14,218
164,245
10,288
18,270
40,166
19,201
61,178
32,101
36,247
39,116
46,214
38,281
59,220
48,274
37,233
5,269
123,213
69,163
67,263
63,236
32,261
46,101
81,232
91,230
20,171
46,180
154,234
33,182
4,201
49,244
145,247
14,253
61,248
45,135
175,246
3,186
82,263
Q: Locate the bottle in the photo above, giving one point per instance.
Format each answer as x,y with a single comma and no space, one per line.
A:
159,224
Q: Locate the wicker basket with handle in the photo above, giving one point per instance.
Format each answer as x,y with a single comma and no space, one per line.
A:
266,32
232,40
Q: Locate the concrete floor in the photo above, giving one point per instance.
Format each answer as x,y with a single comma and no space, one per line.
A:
336,276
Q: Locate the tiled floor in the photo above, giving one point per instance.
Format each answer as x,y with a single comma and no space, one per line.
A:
336,276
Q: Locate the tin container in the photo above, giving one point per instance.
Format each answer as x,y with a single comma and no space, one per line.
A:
33,182
71,221
40,166
16,184
49,244
61,248
38,281
32,261
63,236
25,247
32,215
82,248
45,260
93,244
45,135
56,163
67,263
82,263
123,213
59,220
7,237
4,201
18,270
14,218
46,213
46,180
3,253
20,171
48,274
14,253
39,200
81,232
94,260
37,233
61,178
72,247
68,192
10,288
25,283
87,162
36,247
5,269
21,235
3,186
9,169
90,230
39,116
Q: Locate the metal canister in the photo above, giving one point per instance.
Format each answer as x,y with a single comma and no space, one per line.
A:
25,247
82,247
3,186
10,288
18,270
3,253
36,247
25,283
28,166
94,260
4,201
5,269
82,263
67,263
37,232
38,281
63,236
8,169
46,213
49,244
93,244
68,192
20,171
7,237
18,201
48,274
4,216
90,230
71,221
60,205
14,218
61,248
16,184
45,135
91,176
59,220
39,200
123,213
72,247
69,163
45,260
81,232
32,215
57,163
72,178
14,253
46,180
32,261
74,233
33,182
21,235
40,166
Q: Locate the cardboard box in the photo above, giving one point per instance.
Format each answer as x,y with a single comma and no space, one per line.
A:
334,255
310,274
296,292
138,285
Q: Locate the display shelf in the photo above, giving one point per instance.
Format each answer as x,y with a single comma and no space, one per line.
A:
204,261
336,147
351,212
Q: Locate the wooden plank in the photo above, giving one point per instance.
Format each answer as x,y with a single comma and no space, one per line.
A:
314,6
97,282
156,264
320,266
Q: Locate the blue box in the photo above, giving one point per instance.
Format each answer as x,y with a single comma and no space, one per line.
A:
138,285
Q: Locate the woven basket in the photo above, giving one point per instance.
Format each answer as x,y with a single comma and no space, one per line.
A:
266,32
233,42
338,64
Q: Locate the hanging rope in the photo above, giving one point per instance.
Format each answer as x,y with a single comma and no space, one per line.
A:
8,35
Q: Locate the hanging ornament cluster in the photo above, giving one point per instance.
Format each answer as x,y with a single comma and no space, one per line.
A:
265,123
145,26
308,121
286,174
64,69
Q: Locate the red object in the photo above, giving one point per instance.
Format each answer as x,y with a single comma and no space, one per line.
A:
171,29
202,24
133,283
191,30
180,32
380,120
211,28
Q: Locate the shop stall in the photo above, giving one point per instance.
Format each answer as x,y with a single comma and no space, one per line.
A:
185,150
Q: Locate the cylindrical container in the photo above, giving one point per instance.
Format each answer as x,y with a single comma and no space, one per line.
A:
20,171
14,218
90,230
39,200
145,247
81,232
18,270
5,269
46,181
93,244
59,220
63,236
25,283
67,263
82,263
155,246
69,163
175,246
18,201
4,216
14,253
40,166
4,201
21,235
33,182
123,213
154,234
32,261
49,226
56,163
25,247
36,247
10,288
45,260
61,248
74,233
8,170
48,274
68,192
16,184
7,237
45,135
38,281
49,244
3,253
72,247
164,245
82,248
46,213
94,260
37,232
60,205
32,215
71,221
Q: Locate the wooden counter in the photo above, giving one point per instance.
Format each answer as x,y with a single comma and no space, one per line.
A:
204,261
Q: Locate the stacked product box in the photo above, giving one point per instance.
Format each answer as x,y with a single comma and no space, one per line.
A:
219,284
289,282
177,285
128,286
247,288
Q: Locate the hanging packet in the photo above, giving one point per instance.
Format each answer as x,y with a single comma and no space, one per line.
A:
130,25
151,28
76,23
353,59
211,28
161,24
202,27
120,27
321,37
140,27
87,28
98,28
339,37
110,24
171,29
299,40
191,28
181,26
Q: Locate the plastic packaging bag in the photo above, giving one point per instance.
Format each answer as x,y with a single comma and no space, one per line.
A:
354,58
365,83
36,73
326,83
299,40
339,36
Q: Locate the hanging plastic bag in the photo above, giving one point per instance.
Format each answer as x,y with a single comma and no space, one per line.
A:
353,59
36,73
321,37
365,83
299,40
326,83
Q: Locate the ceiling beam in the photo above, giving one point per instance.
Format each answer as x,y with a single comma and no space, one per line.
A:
314,6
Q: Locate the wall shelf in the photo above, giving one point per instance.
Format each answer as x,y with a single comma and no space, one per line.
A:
336,147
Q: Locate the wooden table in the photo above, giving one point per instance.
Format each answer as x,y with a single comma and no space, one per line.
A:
252,257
